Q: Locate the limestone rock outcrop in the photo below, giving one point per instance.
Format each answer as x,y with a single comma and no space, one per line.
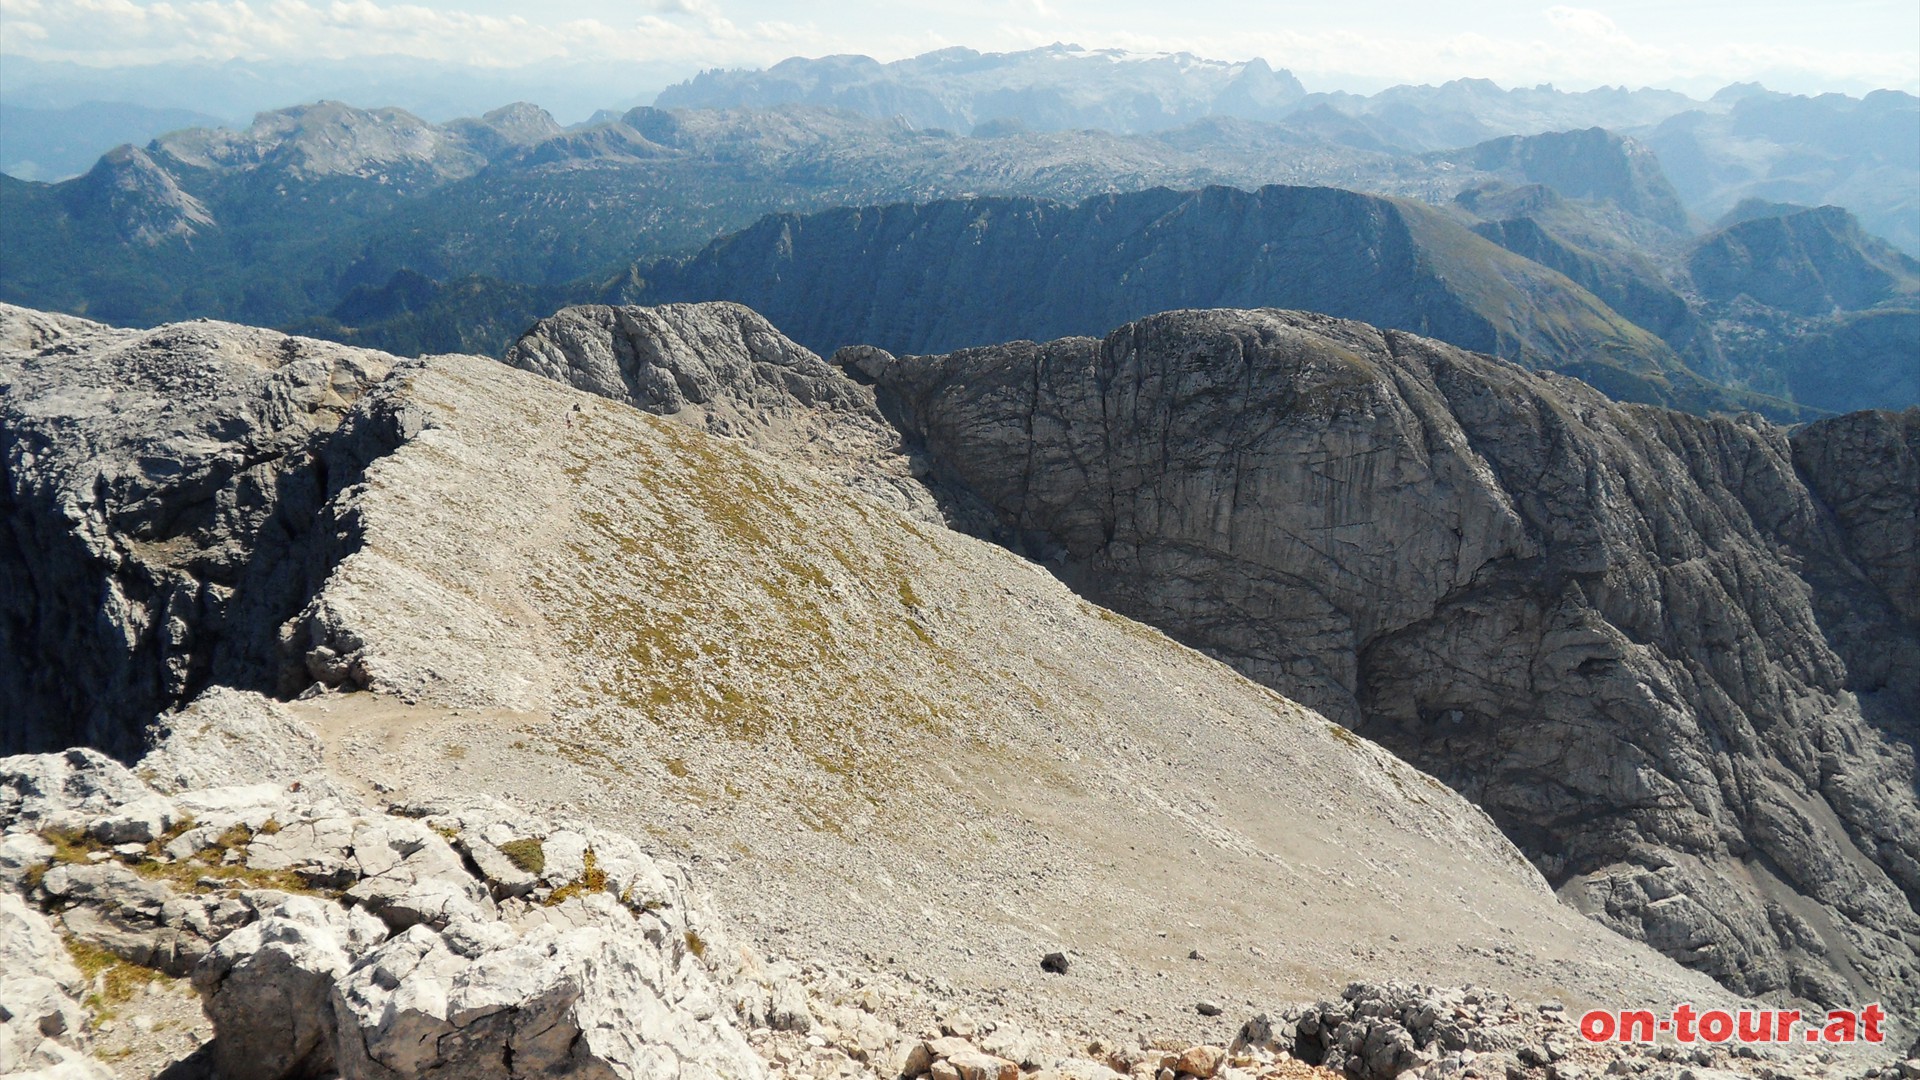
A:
328,936
724,369
42,1019
1669,654
160,503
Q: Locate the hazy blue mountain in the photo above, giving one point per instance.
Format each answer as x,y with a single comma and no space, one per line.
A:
1808,262
1782,301
1806,304
1057,88
1855,360
1591,164
53,144
1752,207
1859,153
1466,111
955,273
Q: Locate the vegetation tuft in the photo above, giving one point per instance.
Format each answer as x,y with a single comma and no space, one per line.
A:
527,853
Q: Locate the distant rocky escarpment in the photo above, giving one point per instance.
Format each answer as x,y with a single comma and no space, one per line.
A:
1787,301
1805,261
1811,305
1591,164
1672,656
963,272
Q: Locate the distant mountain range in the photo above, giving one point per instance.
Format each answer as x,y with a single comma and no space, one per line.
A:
379,227
291,215
1057,88
1859,153
1061,87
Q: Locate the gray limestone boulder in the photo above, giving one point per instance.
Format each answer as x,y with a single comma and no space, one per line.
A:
480,1000
40,790
267,988
43,1025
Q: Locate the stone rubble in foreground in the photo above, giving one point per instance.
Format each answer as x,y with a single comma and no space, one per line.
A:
325,937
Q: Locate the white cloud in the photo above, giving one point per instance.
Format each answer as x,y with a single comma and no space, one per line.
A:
1583,21
1572,46
117,32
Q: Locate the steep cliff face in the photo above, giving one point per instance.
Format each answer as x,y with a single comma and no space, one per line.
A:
159,515
1640,639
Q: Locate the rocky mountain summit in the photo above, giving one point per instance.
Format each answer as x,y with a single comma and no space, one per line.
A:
129,197
328,138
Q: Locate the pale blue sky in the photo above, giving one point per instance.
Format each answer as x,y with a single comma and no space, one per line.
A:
1353,44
